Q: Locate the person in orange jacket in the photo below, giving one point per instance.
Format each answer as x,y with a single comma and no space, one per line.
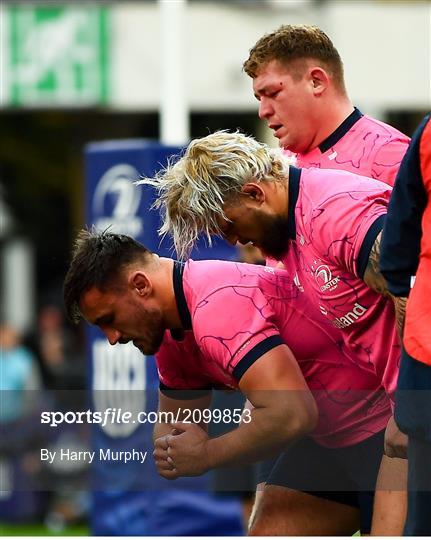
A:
406,264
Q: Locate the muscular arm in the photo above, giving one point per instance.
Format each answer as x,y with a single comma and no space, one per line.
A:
284,410
375,280
395,441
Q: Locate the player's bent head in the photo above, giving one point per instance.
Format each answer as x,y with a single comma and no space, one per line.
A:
292,46
194,191
98,259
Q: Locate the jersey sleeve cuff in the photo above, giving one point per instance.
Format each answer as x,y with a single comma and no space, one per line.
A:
255,353
184,393
367,244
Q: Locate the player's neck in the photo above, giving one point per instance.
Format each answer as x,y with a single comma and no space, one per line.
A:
282,196
166,294
333,116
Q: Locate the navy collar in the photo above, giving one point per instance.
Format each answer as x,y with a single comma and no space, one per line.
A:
183,310
294,179
341,130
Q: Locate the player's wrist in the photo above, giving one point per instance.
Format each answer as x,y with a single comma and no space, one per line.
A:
212,454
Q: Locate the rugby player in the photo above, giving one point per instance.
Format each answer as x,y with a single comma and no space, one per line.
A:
298,79
233,325
406,252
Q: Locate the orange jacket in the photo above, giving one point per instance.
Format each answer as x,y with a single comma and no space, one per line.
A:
417,332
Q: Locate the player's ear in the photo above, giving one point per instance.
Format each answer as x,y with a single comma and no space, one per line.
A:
140,282
255,191
319,80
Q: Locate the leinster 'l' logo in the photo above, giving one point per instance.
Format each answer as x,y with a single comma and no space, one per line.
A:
116,201
324,279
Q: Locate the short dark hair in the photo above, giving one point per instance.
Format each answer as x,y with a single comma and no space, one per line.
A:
97,261
291,43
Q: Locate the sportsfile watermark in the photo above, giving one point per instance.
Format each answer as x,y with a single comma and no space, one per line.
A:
104,439
112,415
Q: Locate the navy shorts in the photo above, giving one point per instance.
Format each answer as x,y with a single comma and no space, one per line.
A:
413,398
345,475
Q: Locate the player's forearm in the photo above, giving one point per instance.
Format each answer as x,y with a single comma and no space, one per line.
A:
267,431
400,313
376,281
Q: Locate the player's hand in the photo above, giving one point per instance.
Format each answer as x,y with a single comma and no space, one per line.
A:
161,455
395,441
184,454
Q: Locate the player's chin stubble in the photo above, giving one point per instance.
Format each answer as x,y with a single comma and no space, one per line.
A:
152,332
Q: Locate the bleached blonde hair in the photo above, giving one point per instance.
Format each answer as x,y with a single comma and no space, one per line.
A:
193,190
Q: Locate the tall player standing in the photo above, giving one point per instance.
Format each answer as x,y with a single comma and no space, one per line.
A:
298,79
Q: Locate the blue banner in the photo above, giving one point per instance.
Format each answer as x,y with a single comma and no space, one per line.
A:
132,499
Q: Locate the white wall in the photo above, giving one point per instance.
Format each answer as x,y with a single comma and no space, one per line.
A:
385,47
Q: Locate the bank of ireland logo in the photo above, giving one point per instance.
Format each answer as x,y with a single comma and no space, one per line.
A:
324,279
116,201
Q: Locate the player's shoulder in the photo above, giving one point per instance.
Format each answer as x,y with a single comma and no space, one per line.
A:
212,272
203,279
218,279
321,186
323,183
220,271
378,127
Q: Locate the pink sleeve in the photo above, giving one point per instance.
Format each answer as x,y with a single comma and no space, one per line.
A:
234,327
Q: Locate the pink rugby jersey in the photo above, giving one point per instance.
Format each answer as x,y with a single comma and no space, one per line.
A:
238,312
334,219
361,145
